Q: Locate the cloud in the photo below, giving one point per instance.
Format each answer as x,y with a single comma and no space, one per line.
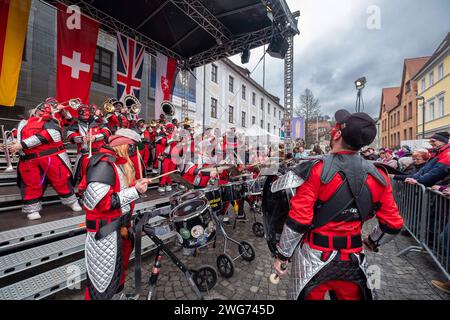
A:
336,47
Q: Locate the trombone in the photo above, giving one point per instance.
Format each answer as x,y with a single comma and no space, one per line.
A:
5,134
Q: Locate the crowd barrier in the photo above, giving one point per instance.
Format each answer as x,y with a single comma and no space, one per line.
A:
426,214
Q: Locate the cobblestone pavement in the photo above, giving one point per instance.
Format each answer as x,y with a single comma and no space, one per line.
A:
402,278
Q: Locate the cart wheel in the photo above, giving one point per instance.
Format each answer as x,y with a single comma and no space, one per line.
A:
258,229
246,251
225,265
205,278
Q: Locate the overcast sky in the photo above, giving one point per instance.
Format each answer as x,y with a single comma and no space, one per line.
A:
335,47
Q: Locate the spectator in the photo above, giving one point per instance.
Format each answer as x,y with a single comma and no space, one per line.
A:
369,154
419,159
388,159
405,151
437,167
301,153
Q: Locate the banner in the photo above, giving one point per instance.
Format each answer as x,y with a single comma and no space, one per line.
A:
165,74
298,128
77,42
13,29
130,61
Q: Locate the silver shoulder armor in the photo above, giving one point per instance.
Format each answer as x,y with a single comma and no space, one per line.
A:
127,196
55,134
288,181
94,193
288,241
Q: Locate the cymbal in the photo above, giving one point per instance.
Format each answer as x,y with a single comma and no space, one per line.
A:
244,175
179,179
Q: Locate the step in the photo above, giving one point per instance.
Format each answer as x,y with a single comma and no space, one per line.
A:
30,258
55,280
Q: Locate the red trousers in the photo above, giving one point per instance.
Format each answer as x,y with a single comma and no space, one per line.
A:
167,166
343,290
127,248
36,173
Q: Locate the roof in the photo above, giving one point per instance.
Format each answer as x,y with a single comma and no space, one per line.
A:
195,32
412,65
443,47
389,98
244,72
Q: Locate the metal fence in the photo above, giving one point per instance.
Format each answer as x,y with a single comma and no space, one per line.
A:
426,214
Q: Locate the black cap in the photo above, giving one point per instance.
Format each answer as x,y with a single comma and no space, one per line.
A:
441,136
358,129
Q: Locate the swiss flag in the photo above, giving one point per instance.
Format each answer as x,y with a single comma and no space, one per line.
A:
77,42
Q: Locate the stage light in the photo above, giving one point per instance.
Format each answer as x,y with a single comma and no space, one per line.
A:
245,56
360,83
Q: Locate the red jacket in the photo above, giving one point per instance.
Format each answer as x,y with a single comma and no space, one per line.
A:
46,132
302,206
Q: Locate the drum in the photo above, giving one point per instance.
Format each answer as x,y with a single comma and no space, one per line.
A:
174,199
232,191
193,222
215,198
254,187
191,195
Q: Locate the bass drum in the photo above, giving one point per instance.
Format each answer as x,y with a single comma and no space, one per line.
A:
275,209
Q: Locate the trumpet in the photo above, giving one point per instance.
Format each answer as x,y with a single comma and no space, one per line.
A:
72,103
153,123
108,107
5,134
187,121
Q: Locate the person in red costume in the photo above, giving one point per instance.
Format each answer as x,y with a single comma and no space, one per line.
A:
336,194
118,119
42,160
109,192
87,134
169,142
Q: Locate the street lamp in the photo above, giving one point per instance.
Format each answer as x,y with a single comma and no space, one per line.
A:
423,114
359,84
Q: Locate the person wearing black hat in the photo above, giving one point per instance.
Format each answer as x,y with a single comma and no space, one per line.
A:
118,119
437,168
336,194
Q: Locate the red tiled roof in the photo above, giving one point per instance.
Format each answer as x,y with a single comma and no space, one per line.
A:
413,65
390,97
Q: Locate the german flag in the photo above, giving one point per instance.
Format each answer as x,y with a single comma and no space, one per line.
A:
13,28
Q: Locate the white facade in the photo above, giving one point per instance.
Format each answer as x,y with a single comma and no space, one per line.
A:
272,114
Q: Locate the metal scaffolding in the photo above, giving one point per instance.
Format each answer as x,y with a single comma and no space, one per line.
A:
288,93
184,98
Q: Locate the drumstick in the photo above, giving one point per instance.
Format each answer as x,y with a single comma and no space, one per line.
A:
275,278
149,180
139,163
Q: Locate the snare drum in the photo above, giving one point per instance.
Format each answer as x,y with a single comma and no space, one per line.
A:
174,199
232,191
214,197
193,223
191,195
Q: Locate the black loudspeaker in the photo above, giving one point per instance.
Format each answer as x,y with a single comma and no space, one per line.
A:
278,47
245,56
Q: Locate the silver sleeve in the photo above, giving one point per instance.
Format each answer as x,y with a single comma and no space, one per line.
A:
94,193
32,141
288,241
379,237
127,196
55,134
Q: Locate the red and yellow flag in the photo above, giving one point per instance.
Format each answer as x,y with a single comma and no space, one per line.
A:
13,28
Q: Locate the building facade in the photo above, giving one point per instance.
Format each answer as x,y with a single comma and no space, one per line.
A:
434,86
389,101
220,94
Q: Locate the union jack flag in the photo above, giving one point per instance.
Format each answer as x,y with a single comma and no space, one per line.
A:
130,60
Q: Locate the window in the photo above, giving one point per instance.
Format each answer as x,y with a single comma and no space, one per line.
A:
253,119
253,98
274,112
405,115
268,127
441,106
410,112
268,108
243,92
230,84
279,114
243,119
213,108
102,72
431,78
404,135
431,106
408,87
440,71
410,134
422,84
230,114
214,73
274,129
398,117
262,104
262,123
